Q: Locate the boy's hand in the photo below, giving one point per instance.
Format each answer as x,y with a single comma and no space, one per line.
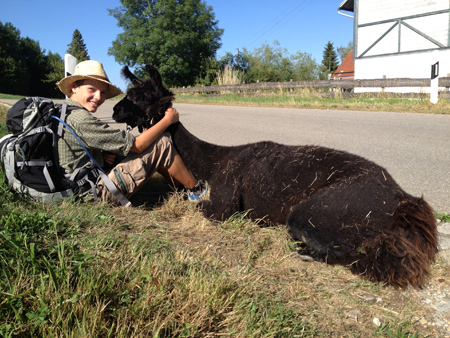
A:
109,158
172,115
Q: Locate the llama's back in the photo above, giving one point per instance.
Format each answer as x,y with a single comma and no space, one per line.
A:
289,175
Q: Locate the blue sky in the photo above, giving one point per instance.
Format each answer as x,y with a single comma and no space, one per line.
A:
298,25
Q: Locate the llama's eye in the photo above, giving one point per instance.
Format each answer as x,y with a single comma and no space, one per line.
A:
143,98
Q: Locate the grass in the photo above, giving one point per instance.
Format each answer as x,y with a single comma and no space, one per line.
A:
309,99
163,270
228,76
443,217
12,97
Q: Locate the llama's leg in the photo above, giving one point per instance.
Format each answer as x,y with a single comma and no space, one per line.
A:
222,204
334,223
303,227
387,237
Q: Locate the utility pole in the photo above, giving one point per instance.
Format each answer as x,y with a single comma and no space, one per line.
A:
237,57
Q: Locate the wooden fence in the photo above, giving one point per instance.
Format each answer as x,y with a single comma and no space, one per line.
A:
333,84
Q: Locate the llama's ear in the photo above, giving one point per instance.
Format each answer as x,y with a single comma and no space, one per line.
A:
154,74
155,79
130,76
127,74
157,82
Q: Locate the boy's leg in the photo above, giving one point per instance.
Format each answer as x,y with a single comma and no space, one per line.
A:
136,169
180,173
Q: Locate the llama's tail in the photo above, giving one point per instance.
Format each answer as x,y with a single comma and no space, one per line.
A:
403,253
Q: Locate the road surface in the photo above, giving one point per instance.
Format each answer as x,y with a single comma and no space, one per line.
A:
414,148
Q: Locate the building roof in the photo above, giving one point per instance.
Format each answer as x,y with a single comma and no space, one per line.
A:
346,70
347,5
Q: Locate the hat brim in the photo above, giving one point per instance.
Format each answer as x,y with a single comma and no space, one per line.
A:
65,85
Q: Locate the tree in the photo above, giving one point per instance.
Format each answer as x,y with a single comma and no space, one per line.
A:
343,51
77,47
36,65
237,61
268,64
25,69
305,68
329,62
56,65
179,37
13,71
55,73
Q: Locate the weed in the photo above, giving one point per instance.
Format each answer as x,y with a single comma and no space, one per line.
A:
443,217
386,330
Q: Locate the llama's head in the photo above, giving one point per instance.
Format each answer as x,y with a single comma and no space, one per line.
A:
147,101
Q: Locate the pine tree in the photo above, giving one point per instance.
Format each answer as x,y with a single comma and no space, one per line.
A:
330,59
77,47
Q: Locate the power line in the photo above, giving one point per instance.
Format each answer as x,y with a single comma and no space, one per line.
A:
270,22
270,28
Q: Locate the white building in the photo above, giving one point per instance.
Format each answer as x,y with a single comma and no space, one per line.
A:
399,39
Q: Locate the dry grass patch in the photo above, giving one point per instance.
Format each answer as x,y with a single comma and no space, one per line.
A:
164,270
260,266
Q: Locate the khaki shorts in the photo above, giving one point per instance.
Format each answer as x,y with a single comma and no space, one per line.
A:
136,169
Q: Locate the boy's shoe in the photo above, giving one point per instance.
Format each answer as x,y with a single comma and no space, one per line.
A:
199,192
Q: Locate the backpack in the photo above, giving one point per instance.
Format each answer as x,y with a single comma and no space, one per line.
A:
29,154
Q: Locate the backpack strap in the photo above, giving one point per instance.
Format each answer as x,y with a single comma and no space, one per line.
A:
45,165
109,184
112,188
62,115
8,158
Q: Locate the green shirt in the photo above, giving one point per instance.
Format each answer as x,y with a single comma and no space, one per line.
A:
95,135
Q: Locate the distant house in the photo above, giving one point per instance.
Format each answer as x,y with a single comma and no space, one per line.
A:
346,70
399,39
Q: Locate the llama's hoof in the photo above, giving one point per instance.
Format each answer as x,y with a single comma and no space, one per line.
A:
306,258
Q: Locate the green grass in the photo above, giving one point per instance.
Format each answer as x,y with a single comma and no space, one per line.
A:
443,217
9,96
84,270
73,270
321,100
163,270
3,111
312,99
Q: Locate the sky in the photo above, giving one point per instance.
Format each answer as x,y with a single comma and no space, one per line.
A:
298,25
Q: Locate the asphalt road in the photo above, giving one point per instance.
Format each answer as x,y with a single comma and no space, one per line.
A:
414,148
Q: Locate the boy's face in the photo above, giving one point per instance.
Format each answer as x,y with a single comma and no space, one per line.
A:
90,94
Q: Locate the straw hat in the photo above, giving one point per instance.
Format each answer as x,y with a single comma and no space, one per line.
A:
89,69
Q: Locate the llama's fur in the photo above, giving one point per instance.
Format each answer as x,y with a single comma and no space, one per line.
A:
343,208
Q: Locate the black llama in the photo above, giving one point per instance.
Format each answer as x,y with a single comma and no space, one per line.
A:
343,208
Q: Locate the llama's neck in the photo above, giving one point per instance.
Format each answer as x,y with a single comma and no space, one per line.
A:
199,156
